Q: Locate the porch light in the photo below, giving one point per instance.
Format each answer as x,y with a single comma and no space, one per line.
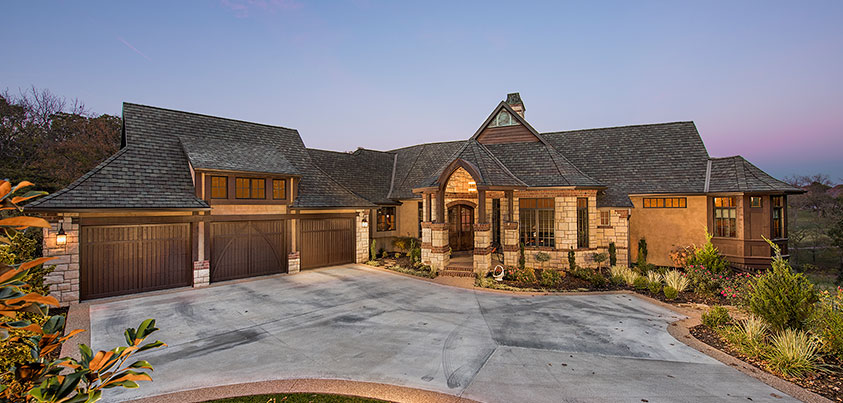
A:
365,222
61,237
472,186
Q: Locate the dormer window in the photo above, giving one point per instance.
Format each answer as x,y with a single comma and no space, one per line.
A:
504,118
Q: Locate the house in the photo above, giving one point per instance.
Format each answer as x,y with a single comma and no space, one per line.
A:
192,199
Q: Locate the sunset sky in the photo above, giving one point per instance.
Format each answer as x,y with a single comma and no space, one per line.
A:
760,79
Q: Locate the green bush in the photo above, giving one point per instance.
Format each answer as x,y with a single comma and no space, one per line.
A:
748,336
415,251
654,287
784,299
670,293
525,276
373,250
716,317
613,254
521,260
709,257
641,283
572,260
599,258
550,278
793,354
827,323
598,280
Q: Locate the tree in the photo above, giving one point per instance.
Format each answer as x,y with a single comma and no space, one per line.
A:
41,379
50,140
810,214
836,235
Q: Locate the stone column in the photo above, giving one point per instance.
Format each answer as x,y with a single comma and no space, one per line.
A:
482,248
510,245
426,242
293,262
439,248
201,273
64,280
362,237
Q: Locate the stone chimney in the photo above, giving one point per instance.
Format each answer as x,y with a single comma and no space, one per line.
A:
514,102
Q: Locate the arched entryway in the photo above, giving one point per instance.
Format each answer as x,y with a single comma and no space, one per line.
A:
461,227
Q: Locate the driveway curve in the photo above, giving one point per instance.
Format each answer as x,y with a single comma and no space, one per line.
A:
355,323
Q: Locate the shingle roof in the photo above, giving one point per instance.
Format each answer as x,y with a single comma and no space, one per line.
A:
492,172
367,173
418,163
226,155
152,170
115,183
539,164
735,174
655,158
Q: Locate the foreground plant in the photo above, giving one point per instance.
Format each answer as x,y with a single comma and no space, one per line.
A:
784,299
39,378
793,354
676,280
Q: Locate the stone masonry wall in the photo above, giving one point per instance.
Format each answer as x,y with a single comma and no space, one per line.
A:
64,280
362,250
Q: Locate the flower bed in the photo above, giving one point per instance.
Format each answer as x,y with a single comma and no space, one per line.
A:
403,264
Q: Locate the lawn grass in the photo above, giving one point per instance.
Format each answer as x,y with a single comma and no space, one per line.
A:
297,398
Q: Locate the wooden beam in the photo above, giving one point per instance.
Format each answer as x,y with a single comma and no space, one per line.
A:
440,206
510,204
481,207
429,207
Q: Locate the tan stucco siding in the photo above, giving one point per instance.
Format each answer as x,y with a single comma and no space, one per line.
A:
408,218
666,228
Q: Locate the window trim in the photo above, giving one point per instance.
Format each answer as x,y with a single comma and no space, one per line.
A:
225,187
284,182
782,209
665,202
752,200
251,188
535,214
605,218
379,212
733,221
582,223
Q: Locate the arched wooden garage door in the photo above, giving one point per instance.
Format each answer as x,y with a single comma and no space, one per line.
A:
326,242
126,259
242,249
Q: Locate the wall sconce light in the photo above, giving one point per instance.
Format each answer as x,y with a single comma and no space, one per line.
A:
472,186
365,223
61,237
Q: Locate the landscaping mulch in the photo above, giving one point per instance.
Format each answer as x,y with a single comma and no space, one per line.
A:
828,384
402,264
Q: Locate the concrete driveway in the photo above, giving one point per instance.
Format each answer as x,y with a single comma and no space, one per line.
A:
361,324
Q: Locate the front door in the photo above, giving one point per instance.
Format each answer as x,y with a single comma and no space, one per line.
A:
460,232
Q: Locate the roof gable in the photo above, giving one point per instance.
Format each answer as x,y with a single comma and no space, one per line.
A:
519,131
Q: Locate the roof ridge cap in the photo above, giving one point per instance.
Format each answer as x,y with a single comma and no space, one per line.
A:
392,180
425,144
621,127
208,116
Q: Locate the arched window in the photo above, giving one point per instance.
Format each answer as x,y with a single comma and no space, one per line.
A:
504,118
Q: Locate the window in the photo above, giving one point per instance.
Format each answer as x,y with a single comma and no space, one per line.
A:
536,222
247,188
605,218
504,118
755,201
778,217
279,189
219,187
386,219
725,217
665,202
582,222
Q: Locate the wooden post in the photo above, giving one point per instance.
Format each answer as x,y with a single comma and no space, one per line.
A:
440,206
428,208
510,204
481,206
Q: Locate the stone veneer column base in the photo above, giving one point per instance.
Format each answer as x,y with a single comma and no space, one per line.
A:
440,254
482,248
362,249
201,273
293,262
425,242
64,279
510,245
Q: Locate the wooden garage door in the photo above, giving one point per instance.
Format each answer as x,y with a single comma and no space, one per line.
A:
326,242
247,248
126,259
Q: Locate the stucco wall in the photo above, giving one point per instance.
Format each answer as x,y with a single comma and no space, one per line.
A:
666,228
